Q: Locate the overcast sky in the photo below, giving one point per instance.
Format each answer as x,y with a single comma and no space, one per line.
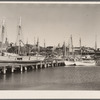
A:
53,22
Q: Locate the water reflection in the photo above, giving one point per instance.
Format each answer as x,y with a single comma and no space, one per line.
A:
55,78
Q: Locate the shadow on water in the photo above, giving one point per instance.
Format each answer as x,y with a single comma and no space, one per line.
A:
55,78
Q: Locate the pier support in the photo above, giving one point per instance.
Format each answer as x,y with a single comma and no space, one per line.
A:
45,65
41,65
4,70
52,65
56,64
12,69
25,68
21,68
33,67
48,65
36,66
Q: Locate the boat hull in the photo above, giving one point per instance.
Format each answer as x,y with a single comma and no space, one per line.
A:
21,58
69,63
82,63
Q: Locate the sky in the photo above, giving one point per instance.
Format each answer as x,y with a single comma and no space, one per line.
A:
53,22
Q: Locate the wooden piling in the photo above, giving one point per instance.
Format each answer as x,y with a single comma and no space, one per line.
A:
41,65
45,65
52,64
36,66
21,68
4,70
25,68
33,67
56,63
12,69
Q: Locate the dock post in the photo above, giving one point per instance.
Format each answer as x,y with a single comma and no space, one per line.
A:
33,67
56,63
4,70
36,66
52,65
21,68
45,65
41,65
12,69
25,68
48,65
59,63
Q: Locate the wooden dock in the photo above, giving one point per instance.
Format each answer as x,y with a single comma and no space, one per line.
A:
21,66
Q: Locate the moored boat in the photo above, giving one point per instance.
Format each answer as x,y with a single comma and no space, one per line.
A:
5,56
70,59
86,60
69,63
85,63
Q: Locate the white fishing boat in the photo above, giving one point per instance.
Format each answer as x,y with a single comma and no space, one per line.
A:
69,61
27,58
84,60
85,63
5,56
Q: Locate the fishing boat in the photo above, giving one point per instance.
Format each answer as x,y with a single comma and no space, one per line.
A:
69,61
6,57
84,61
29,57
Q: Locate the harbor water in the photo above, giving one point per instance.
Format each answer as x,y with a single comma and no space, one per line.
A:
53,78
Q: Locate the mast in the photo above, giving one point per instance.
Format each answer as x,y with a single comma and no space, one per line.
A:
80,42
38,49
80,46
27,41
72,46
34,41
19,33
44,43
19,36
68,52
3,31
95,42
2,35
64,46
58,45
58,49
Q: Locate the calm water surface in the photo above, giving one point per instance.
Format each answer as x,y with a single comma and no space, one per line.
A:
56,78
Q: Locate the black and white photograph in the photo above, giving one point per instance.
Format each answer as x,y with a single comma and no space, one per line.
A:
50,46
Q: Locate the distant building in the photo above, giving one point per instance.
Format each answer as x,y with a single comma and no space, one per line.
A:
77,50
83,50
